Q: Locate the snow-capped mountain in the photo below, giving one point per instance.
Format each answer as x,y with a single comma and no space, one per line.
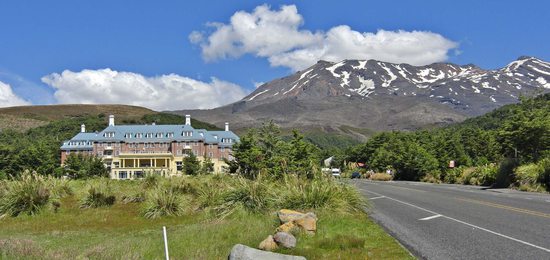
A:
377,95
468,88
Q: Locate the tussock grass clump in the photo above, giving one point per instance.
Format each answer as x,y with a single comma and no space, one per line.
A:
381,177
98,195
151,181
530,177
27,195
319,193
163,202
60,188
135,197
253,196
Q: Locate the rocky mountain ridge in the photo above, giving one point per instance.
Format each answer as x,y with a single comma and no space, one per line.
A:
382,96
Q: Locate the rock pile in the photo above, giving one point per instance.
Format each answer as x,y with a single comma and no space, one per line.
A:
292,223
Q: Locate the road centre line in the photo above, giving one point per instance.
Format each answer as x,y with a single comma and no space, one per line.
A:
500,206
463,222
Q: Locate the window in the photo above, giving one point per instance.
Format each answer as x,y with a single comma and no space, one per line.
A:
221,149
195,152
179,152
210,154
149,135
210,146
170,135
138,174
68,152
123,175
179,166
139,135
117,153
128,135
100,153
187,133
116,164
109,134
195,143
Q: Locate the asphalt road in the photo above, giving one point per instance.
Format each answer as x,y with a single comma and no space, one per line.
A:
461,222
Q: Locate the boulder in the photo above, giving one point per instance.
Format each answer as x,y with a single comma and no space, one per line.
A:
268,244
288,227
287,215
307,223
285,240
242,252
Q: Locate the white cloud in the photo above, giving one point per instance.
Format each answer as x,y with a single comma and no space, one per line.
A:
275,35
8,98
166,92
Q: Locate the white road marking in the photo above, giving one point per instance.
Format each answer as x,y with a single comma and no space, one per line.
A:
463,222
379,197
431,217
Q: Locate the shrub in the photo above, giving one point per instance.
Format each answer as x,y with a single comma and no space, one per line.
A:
482,175
432,177
381,177
28,195
163,202
98,195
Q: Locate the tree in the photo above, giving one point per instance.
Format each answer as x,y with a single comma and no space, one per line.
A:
191,166
207,166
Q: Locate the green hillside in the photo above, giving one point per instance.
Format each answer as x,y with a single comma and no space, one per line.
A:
509,146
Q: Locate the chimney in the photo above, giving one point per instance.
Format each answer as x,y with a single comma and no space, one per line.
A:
226,126
83,128
188,119
111,120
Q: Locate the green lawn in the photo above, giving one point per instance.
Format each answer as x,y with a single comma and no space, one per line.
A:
119,232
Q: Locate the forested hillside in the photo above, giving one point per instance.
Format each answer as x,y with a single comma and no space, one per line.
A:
486,150
37,149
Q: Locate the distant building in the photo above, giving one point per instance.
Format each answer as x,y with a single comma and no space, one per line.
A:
131,151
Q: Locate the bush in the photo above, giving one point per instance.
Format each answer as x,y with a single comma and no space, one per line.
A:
163,202
28,195
98,195
432,177
482,175
381,177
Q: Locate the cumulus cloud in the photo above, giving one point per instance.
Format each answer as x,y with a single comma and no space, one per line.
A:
166,92
8,98
276,35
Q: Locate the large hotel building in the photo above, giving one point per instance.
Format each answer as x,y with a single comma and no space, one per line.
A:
131,151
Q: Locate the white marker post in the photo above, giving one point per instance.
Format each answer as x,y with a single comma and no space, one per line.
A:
165,243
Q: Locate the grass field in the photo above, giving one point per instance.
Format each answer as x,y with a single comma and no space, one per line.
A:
121,232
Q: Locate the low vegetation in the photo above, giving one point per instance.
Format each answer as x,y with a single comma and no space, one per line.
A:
206,214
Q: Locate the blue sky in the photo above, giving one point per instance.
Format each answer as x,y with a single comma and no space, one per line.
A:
149,39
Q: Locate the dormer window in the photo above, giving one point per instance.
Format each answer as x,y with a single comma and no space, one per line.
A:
149,135
169,135
109,134
139,135
187,133
160,135
128,135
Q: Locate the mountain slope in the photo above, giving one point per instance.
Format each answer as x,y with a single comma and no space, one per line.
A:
382,96
22,118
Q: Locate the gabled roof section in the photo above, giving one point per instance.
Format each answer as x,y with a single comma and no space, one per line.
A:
151,134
